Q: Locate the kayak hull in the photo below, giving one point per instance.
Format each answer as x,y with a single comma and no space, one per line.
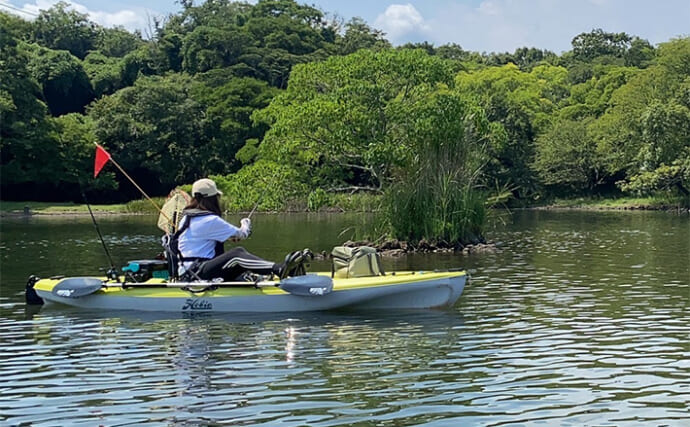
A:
400,291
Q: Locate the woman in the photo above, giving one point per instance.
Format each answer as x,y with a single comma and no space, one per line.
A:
201,236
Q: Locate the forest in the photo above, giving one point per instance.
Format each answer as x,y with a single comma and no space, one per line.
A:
283,103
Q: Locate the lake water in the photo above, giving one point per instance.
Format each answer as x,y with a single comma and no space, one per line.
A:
581,318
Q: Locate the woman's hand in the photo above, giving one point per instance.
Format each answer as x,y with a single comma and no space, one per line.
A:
246,227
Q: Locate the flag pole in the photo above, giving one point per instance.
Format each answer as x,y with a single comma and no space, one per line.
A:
135,184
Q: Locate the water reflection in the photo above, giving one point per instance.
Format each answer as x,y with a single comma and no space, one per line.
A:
253,368
581,319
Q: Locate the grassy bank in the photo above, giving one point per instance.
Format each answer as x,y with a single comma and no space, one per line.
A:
336,203
56,208
622,203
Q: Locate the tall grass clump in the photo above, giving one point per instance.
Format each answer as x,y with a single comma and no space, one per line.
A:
439,194
419,210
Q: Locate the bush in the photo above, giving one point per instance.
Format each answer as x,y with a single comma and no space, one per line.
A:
317,199
269,185
357,202
144,206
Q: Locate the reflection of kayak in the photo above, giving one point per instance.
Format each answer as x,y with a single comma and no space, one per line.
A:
313,292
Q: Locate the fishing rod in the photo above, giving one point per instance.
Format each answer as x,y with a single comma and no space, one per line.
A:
257,203
261,196
112,272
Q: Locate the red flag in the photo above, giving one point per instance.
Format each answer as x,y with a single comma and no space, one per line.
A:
102,158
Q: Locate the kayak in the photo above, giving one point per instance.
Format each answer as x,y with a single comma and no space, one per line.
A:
311,292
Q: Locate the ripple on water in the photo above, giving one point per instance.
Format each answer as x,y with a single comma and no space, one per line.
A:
572,323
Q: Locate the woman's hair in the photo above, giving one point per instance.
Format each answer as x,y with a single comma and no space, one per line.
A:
211,204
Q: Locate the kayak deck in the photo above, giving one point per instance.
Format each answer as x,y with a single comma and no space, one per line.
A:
398,290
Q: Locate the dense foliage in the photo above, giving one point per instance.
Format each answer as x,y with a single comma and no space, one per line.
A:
281,102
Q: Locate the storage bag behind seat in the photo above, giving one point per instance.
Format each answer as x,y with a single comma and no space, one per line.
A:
355,262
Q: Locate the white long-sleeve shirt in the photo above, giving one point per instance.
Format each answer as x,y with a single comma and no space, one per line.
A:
200,238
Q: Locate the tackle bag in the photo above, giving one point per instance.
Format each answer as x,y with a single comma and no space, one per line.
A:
145,269
355,262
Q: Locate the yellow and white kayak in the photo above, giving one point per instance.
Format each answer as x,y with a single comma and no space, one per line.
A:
313,292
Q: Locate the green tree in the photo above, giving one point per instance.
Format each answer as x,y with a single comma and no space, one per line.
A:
117,42
155,130
262,41
525,58
665,134
271,184
593,97
74,136
598,48
63,29
646,126
598,45
24,131
227,119
206,48
15,27
105,73
425,46
523,103
674,56
387,121
341,120
66,86
566,156
358,35
456,53
147,60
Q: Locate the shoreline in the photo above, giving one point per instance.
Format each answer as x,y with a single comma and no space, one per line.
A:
78,214
43,209
666,208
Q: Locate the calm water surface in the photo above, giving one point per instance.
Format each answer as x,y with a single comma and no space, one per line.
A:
581,319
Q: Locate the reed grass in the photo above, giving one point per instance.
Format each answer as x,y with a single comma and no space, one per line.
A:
438,196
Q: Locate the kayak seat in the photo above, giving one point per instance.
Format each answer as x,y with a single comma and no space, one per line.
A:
294,264
172,256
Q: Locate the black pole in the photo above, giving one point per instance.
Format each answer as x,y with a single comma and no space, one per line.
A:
112,273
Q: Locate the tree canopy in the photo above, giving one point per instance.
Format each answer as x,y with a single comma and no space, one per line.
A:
280,90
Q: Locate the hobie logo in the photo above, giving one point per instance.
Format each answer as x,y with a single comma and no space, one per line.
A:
317,291
197,304
64,292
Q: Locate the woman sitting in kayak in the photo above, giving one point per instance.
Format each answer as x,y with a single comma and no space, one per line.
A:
201,236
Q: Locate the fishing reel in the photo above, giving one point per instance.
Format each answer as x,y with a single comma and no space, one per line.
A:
111,274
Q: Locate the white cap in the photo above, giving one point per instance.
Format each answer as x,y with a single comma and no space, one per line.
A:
205,187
